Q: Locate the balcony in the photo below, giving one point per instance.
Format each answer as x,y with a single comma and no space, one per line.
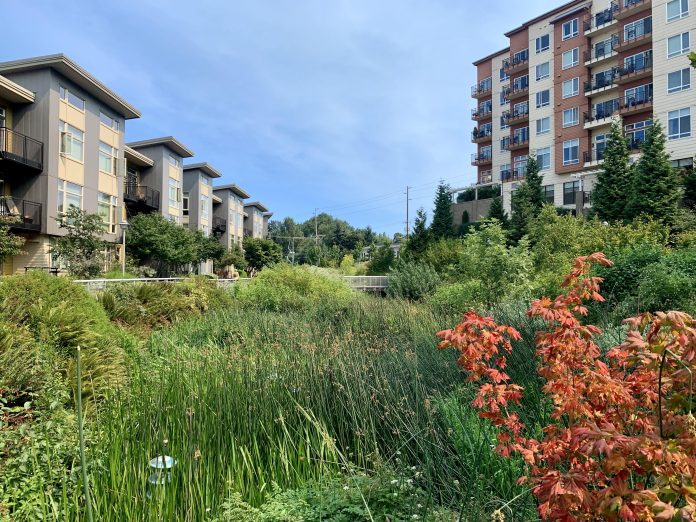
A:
481,158
601,21
482,135
512,175
482,90
602,51
518,141
514,117
482,113
516,64
635,37
219,225
20,150
601,114
626,8
140,195
593,158
601,83
635,144
486,177
517,91
636,105
635,69
25,215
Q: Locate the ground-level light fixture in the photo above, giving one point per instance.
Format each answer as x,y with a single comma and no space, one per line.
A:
124,226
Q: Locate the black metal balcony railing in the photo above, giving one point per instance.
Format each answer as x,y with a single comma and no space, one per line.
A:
635,143
633,65
593,155
601,18
602,49
24,215
637,103
482,133
481,89
602,110
481,157
517,60
141,194
21,149
638,32
219,225
601,81
516,114
481,112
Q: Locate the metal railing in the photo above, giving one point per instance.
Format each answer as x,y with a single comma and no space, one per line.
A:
641,30
602,49
481,157
16,147
482,133
219,224
481,89
602,110
590,156
636,102
601,18
26,215
482,112
367,283
142,194
602,80
636,65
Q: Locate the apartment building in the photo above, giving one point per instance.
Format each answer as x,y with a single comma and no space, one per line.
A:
61,144
228,209
255,224
566,76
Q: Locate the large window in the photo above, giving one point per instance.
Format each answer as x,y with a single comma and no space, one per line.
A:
106,208
677,9
110,122
107,158
679,80
205,206
174,193
520,166
69,195
636,132
637,29
679,124
543,98
571,117
640,94
174,161
544,158
569,191
570,29
503,75
677,45
543,43
543,71
571,58
571,87
571,152
72,142
72,98
548,194
543,126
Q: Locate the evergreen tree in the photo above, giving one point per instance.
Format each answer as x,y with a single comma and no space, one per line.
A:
497,211
527,201
419,237
442,225
613,187
656,189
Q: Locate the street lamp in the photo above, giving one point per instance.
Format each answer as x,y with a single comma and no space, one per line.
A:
124,226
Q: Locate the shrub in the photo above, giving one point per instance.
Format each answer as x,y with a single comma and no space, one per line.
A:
412,280
458,297
285,287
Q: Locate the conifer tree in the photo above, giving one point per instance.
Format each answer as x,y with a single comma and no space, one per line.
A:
419,237
527,201
656,189
614,185
496,211
442,225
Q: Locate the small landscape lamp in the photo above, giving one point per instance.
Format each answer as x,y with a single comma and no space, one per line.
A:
161,470
124,226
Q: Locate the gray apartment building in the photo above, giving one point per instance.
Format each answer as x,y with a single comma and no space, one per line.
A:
256,218
228,207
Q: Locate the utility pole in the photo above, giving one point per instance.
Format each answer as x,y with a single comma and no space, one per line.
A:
407,200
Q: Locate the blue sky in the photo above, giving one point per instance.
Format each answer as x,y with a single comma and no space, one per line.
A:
334,104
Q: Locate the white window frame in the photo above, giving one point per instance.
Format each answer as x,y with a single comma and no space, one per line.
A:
72,140
682,13
543,76
634,25
574,57
538,46
540,124
66,189
544,152
108,153
575,115
107,202
573,27
68,97
205,206
683,50
539,96
678,115
570,145
174,193
109,122
174,161
575,87
683,86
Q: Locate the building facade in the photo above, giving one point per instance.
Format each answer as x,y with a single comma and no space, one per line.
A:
254,221
228,208
566,76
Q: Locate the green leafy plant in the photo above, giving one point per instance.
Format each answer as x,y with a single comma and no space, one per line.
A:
412,280
82,247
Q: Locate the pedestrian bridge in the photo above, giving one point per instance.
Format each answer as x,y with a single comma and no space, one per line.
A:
368,283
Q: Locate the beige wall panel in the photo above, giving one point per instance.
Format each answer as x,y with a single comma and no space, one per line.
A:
108,184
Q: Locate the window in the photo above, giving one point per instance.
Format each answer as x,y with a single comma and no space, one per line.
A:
548,193
505,171
503,98
521,135
543,126
600,143
677,45
636,29
503,123
543,43
503,75
679,124
72,98
570,29
571,87
520,166
174,161
571,151
521,83
542,71
174,193
569,191
106,208
185,204
544,158
504,143
72,142
69,195
679,80
677,9
636,132
571,58
110,122
543,98
205,206
640,94
107,158
570,117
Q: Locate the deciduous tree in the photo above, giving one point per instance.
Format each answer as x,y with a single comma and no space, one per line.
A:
260,253
10,244
82,248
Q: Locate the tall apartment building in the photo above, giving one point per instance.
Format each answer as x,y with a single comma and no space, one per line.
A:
61,144
566,76
256,220
228,207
